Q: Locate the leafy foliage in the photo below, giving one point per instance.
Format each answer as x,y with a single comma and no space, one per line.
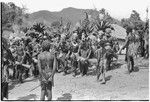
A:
25,29
134,21
102,25
39,27
106,16
105,22
12,14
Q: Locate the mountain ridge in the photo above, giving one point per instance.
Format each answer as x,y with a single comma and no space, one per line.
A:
68,14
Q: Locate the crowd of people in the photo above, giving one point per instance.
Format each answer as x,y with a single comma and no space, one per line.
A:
43,57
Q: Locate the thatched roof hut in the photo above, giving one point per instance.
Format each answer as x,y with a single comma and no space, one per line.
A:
119,32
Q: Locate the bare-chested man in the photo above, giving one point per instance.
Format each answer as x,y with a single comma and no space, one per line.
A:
47,67
104,54
129,45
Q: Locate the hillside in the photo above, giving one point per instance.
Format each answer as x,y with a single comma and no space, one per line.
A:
68,14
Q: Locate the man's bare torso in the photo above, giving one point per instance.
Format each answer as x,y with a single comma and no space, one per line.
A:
46,60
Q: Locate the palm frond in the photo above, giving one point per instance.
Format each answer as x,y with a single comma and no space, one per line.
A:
102,25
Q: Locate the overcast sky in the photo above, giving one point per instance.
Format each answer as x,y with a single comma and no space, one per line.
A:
116,8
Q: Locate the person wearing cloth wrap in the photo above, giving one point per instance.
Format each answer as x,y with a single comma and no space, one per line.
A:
84,52
64,55
74,49
20,58
104,54
47,67
130,52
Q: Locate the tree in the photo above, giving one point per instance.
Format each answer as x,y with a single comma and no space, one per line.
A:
135,22
25,29
135,16
12,14
106,15
102,11
126,23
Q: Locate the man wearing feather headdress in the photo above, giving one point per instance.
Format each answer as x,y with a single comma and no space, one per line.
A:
105,53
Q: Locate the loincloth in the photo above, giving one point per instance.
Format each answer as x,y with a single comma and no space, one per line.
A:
46,85
109,53
102,65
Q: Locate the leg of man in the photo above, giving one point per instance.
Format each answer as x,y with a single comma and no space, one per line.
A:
75,65
49,90
4,90
74,70
49,94
7,72
86,68
108,64
132,63
126,57
65,67
17,72
128,64
27,73
20,76
60,65
36,69
42,95
14,72
26,61
20,71
104,67
43,91
80,66
98,72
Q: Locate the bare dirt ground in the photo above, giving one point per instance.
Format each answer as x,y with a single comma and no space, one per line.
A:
119,86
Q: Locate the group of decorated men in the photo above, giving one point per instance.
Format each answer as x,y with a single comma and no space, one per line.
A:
43,58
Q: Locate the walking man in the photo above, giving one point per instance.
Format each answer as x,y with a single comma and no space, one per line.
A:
104,54
129,45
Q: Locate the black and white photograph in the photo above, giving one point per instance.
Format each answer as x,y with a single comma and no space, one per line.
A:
74,50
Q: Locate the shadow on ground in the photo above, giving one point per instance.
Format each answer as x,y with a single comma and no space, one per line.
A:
15,82
115,65
12,85
92,72
136,69
107,78
144,66
28,97
66,96
32,79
